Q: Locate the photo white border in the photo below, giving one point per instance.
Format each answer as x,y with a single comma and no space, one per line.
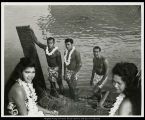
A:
71,3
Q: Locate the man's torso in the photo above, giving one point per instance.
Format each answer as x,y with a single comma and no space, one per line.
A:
99,65
52,59
73,61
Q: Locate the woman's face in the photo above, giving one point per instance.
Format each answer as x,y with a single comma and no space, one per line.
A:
28,74
118,83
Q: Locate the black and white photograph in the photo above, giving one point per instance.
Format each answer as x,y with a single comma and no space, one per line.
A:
72,59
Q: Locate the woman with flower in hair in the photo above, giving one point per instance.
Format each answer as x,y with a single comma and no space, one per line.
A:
127,81
20,96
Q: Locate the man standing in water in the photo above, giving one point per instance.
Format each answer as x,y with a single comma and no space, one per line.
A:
72,65
99,72
54,61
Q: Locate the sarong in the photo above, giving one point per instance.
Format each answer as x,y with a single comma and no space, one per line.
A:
72,83
69,74
52,74
97,78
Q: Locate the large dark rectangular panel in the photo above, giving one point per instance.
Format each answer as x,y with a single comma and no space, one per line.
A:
29,49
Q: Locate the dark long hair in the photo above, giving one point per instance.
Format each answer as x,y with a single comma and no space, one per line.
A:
131,76
15,75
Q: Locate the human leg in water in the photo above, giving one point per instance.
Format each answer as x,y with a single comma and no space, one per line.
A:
53,90
61,88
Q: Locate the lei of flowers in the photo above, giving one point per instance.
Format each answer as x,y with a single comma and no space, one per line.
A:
31,98
116,105
12,108
67,62
52,52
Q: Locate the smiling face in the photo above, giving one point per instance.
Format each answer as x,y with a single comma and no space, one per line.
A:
68,45
118,83
28,74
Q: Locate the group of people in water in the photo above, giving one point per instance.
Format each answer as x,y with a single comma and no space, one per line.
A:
21,97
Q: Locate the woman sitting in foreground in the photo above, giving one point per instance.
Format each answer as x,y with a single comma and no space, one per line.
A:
20,96
127,81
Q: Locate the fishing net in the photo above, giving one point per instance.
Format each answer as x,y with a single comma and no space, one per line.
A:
66,106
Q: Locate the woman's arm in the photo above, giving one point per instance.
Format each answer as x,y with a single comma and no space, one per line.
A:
18,96
101,103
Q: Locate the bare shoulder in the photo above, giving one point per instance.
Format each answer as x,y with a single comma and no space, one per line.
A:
16,91
125,107
58,52
126,102
76,52
104,59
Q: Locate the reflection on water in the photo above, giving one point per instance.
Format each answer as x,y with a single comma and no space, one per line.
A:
116,29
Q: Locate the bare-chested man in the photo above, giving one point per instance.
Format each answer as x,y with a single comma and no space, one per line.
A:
72,65
100,70
54,61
